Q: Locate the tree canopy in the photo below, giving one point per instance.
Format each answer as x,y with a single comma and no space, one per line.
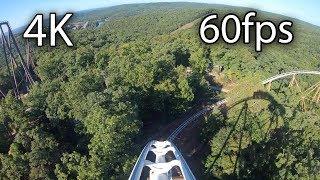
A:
86,116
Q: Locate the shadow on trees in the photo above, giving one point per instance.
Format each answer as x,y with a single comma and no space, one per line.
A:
258,160
181,57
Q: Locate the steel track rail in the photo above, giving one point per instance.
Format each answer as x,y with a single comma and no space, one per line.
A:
284,75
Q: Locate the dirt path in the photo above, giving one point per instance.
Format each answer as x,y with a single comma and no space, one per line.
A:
186,26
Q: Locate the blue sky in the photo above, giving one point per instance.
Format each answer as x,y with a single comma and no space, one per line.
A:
20,12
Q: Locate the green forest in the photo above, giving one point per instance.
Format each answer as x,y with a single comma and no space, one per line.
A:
90,112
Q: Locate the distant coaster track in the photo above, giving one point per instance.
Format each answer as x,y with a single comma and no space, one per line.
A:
288,74
194,117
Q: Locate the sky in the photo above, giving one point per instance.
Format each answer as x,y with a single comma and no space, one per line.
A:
20,12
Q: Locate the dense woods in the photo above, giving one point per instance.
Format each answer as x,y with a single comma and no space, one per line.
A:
85,116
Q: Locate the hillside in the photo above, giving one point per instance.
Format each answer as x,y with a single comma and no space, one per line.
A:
88,115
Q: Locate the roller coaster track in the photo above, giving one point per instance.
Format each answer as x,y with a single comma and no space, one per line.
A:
193,118
312,94
288,74
161,169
